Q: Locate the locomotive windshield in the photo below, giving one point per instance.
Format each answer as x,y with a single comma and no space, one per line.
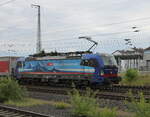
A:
109,60
89,62
20,64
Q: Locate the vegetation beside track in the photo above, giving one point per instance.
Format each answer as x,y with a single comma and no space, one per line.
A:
135,78
86,105
11,93
28,102
11,90
140,108
61,105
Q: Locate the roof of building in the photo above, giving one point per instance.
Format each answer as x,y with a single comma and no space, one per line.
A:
129,51
10,56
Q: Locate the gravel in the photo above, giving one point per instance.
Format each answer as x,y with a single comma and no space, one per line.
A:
47,110
49,96
55,97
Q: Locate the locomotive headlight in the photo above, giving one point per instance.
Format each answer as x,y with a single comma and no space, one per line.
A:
102,72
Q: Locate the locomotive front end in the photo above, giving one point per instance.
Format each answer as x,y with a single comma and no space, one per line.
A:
109,71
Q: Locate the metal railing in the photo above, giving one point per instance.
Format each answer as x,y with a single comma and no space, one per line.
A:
144,68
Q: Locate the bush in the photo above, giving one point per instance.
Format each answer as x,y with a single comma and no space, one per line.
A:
11,90
82,104
131,74
140,80
86,105
141,108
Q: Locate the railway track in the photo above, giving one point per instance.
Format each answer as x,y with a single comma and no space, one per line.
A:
6,111
112,93
116,88
125,89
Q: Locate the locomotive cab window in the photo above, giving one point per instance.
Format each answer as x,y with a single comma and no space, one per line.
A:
89,62
20,64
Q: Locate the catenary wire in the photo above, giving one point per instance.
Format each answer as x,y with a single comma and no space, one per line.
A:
7,2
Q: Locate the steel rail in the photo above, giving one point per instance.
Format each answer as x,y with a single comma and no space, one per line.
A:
6,111
116,88
101,94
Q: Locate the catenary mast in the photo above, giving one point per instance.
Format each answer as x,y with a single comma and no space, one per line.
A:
38,44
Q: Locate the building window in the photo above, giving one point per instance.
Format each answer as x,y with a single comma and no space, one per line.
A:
148,63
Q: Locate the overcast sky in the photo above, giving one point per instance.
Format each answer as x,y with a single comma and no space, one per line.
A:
108,22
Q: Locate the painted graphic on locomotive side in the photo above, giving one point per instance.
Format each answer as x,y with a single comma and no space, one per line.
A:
72,66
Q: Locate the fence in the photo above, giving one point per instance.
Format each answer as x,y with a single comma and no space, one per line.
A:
144,68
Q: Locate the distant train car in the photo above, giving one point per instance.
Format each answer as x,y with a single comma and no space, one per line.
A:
84,69
7,65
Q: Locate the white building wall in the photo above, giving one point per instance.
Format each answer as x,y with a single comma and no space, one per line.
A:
144,64
147,55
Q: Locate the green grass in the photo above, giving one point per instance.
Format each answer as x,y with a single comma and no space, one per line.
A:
85,105
141,79
61,105
140,108
11,90
121,113
33,102
28,102
103,112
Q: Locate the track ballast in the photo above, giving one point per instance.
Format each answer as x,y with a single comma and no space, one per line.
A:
6,111
117,92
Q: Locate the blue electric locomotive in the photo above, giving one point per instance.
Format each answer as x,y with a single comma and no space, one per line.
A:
88,69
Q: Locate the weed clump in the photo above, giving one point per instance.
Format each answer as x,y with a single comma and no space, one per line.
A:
131,77
61,105
86,105
11,90
131,74
140,107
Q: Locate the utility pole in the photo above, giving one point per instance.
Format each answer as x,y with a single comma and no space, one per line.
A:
38,44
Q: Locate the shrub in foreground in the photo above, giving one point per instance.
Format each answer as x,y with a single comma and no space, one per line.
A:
85,105
82,104
131,74
11,90
141,108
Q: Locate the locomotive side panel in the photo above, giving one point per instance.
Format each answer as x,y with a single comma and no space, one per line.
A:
63,69
92,68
